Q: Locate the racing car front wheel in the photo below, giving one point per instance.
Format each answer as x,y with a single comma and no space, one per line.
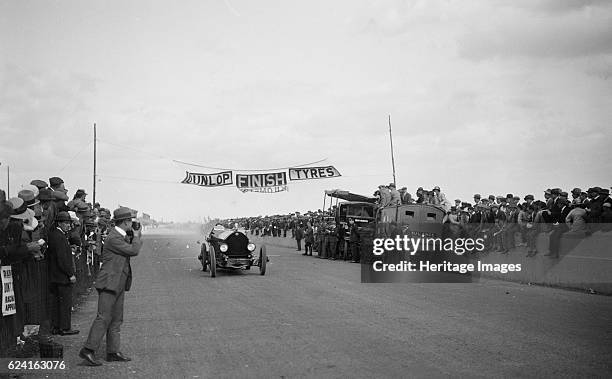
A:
263,259
203,254
212,261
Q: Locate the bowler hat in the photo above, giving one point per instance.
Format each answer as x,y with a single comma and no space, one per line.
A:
563,194
509,196
491,197
555,191
477,196
392,185
529,197
80,192
63,217
436,188
122,213
604,191
39,183
28,197
548,191
55,181
576,190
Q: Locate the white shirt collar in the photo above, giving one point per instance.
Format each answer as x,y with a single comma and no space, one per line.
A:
121,231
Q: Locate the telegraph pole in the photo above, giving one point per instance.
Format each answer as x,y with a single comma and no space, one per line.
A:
94,165
8,182
392,158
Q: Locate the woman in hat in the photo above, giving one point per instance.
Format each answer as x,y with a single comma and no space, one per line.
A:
14,249
36,287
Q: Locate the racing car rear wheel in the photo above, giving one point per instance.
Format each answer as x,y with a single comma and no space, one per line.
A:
263,259
212,261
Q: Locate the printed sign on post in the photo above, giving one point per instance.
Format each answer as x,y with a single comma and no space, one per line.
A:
8,294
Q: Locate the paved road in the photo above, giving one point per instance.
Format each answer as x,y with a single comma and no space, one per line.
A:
313,318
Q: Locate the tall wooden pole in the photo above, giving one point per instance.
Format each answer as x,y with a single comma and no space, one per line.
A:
94,166
392,158
8,182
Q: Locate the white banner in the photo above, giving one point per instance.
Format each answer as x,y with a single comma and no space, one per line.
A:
8,294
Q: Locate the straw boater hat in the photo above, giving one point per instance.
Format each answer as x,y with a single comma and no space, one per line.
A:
20,209
28,197
32,188
23,213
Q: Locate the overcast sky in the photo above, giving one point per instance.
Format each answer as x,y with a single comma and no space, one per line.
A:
484,96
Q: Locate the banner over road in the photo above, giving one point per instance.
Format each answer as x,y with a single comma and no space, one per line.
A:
305,173
208,180
253,182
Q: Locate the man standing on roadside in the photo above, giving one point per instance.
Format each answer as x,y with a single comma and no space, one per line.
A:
113,280
61,274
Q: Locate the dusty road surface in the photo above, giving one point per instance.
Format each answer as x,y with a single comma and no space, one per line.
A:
312,318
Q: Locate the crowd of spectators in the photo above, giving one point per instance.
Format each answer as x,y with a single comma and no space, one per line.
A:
45,284
504,222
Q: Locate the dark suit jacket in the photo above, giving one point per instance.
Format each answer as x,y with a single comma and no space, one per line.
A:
116,260
555,212
596,209
59,257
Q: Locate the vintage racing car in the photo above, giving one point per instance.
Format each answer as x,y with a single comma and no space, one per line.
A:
231,249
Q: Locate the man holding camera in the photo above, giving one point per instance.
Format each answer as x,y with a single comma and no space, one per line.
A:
114,278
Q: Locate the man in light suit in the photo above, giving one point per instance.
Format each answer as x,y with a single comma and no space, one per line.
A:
113,280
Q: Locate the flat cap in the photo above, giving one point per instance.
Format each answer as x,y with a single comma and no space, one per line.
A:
39,183
55,181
